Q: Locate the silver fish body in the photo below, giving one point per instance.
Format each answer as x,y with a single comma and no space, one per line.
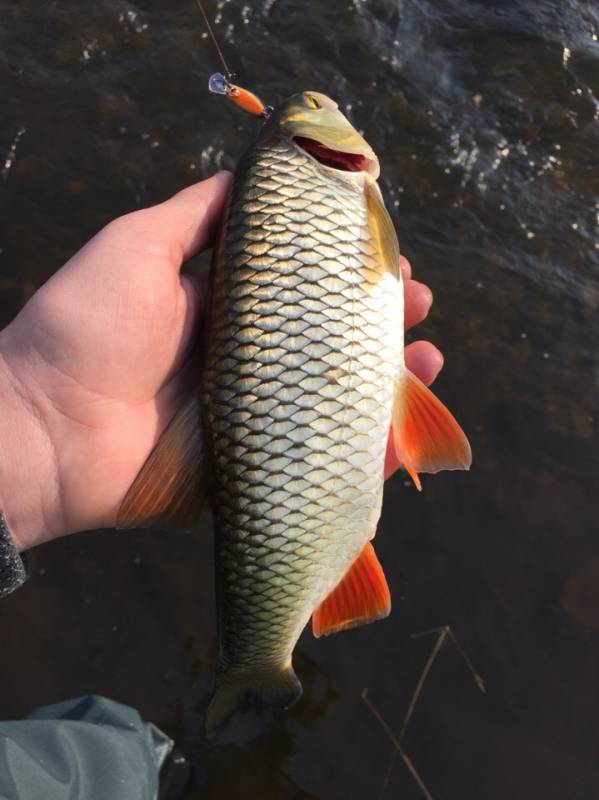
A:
305,347
304,392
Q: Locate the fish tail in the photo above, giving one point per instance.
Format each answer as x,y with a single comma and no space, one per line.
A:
270,689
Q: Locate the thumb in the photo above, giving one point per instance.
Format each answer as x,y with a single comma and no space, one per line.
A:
190,217
180,226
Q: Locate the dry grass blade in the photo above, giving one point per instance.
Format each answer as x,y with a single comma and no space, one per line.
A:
396,743
387,778
443,633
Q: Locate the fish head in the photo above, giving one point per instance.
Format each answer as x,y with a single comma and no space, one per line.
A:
315,124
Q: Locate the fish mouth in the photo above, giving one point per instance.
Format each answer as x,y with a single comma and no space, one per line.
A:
337,159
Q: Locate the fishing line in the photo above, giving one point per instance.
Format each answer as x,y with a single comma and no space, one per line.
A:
230,75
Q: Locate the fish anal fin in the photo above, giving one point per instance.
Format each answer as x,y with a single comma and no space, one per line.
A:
382,228
360,597
169,491
426,436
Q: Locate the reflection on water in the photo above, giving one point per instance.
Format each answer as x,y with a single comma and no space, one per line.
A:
485,118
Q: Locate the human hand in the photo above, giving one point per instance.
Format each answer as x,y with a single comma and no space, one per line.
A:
94,366
95,359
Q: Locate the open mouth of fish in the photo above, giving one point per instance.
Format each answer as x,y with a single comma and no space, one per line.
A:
336,159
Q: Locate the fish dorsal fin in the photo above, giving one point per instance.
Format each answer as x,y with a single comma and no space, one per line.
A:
426,436
361,596
382,228
169,491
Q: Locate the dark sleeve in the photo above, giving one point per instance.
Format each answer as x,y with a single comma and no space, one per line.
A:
12,567
90,748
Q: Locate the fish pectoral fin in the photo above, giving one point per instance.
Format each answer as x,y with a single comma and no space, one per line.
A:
360,597
425,435
169,491
382,228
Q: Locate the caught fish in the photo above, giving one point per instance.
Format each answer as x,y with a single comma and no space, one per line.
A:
303,390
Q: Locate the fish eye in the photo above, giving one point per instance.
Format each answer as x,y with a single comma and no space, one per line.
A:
311,101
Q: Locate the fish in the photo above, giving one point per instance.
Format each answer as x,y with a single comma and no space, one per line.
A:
304,403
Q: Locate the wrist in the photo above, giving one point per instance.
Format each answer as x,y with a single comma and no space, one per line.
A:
29,486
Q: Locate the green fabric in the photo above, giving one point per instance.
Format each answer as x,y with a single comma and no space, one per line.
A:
90,748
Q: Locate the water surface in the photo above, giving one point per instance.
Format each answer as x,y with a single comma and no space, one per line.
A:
484,115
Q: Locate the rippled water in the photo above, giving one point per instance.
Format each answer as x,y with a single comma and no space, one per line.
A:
484,115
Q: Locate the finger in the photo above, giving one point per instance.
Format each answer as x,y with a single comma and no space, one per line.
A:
424,360
406,268
182,225
193,214
418,299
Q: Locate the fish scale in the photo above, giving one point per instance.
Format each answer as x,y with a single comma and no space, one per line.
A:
304,350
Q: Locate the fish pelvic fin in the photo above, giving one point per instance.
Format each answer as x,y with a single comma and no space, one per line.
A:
425,436
360,597
268,689
170,489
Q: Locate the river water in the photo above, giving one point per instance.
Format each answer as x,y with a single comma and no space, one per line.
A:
484,115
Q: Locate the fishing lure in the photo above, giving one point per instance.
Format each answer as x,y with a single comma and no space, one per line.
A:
223,84
246,100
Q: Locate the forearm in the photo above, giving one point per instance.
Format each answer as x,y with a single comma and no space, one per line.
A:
29,493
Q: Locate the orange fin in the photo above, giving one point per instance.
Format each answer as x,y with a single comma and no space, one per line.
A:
382,228
170,490
426,437
362,596
392,462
